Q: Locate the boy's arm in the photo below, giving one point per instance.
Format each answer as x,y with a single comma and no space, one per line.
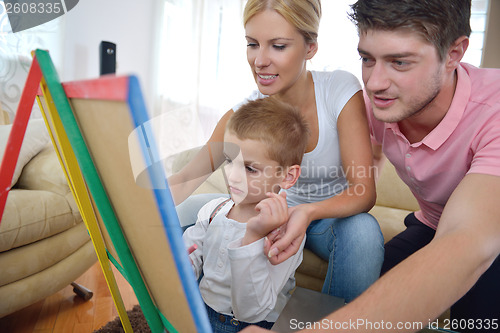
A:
256,283
195,235
273,212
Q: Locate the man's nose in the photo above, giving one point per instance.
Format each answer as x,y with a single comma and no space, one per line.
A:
376,78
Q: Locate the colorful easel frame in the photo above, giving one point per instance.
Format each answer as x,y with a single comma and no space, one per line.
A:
85,116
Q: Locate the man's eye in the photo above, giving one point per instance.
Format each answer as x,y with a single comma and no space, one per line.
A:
399,63
366,61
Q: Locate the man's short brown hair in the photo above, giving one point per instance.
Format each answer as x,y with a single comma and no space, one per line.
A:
440,22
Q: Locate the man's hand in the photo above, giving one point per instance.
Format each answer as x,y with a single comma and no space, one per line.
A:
273,212
285,242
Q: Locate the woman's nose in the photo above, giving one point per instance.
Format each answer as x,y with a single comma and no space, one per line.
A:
262,58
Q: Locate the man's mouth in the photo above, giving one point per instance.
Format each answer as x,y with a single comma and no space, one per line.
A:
382,101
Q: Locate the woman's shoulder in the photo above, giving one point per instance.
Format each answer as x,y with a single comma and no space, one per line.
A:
336,77
256,94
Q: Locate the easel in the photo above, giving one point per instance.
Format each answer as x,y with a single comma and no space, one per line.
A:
16,135
174,303
36,82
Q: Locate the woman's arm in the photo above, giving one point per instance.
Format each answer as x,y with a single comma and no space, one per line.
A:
358,197
357,163
206,161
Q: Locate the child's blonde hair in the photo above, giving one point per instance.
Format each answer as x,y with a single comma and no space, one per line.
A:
278,124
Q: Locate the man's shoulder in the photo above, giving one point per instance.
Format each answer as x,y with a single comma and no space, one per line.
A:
485,83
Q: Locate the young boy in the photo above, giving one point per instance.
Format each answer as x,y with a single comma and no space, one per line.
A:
264,143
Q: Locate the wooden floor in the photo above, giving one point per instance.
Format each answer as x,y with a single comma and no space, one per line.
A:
65,312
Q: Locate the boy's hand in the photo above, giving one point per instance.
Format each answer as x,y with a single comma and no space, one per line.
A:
273,212
285,242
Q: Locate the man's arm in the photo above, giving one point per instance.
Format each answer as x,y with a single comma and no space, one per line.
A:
431,280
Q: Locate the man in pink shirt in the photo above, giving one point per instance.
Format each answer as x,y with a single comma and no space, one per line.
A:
438,121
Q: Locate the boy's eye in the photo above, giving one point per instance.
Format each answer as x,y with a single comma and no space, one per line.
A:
250,169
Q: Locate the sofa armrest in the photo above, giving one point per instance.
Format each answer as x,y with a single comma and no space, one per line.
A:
44,173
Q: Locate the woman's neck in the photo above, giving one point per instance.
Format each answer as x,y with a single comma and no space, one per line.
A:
301,94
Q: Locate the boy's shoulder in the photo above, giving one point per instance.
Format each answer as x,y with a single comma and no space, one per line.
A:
208,209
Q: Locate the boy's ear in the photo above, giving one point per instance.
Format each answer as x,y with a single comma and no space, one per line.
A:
292,173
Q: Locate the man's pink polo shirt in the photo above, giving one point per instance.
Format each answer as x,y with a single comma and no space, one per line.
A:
467,140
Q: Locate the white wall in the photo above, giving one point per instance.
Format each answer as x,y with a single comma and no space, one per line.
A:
130,24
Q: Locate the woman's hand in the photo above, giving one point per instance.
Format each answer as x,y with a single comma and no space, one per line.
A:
285,241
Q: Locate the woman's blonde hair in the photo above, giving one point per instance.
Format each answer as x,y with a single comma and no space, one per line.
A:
302,14
277,124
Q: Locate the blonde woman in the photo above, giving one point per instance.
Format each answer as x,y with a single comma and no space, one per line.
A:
336,188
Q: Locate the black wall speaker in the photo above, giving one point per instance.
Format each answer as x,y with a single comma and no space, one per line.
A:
107,58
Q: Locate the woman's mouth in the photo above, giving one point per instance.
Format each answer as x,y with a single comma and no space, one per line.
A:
266,79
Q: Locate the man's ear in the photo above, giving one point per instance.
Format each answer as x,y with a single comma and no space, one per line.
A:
292,173
312,48
456,52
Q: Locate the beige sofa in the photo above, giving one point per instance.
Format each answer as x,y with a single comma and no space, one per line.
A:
394,202
44,244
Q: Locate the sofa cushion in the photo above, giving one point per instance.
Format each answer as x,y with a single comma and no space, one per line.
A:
32,215
392,192
27,260
35,138
44,173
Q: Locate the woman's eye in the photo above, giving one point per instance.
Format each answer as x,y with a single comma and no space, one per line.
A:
279,47
252,45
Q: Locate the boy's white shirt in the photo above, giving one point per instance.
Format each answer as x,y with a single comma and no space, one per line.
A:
238,280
